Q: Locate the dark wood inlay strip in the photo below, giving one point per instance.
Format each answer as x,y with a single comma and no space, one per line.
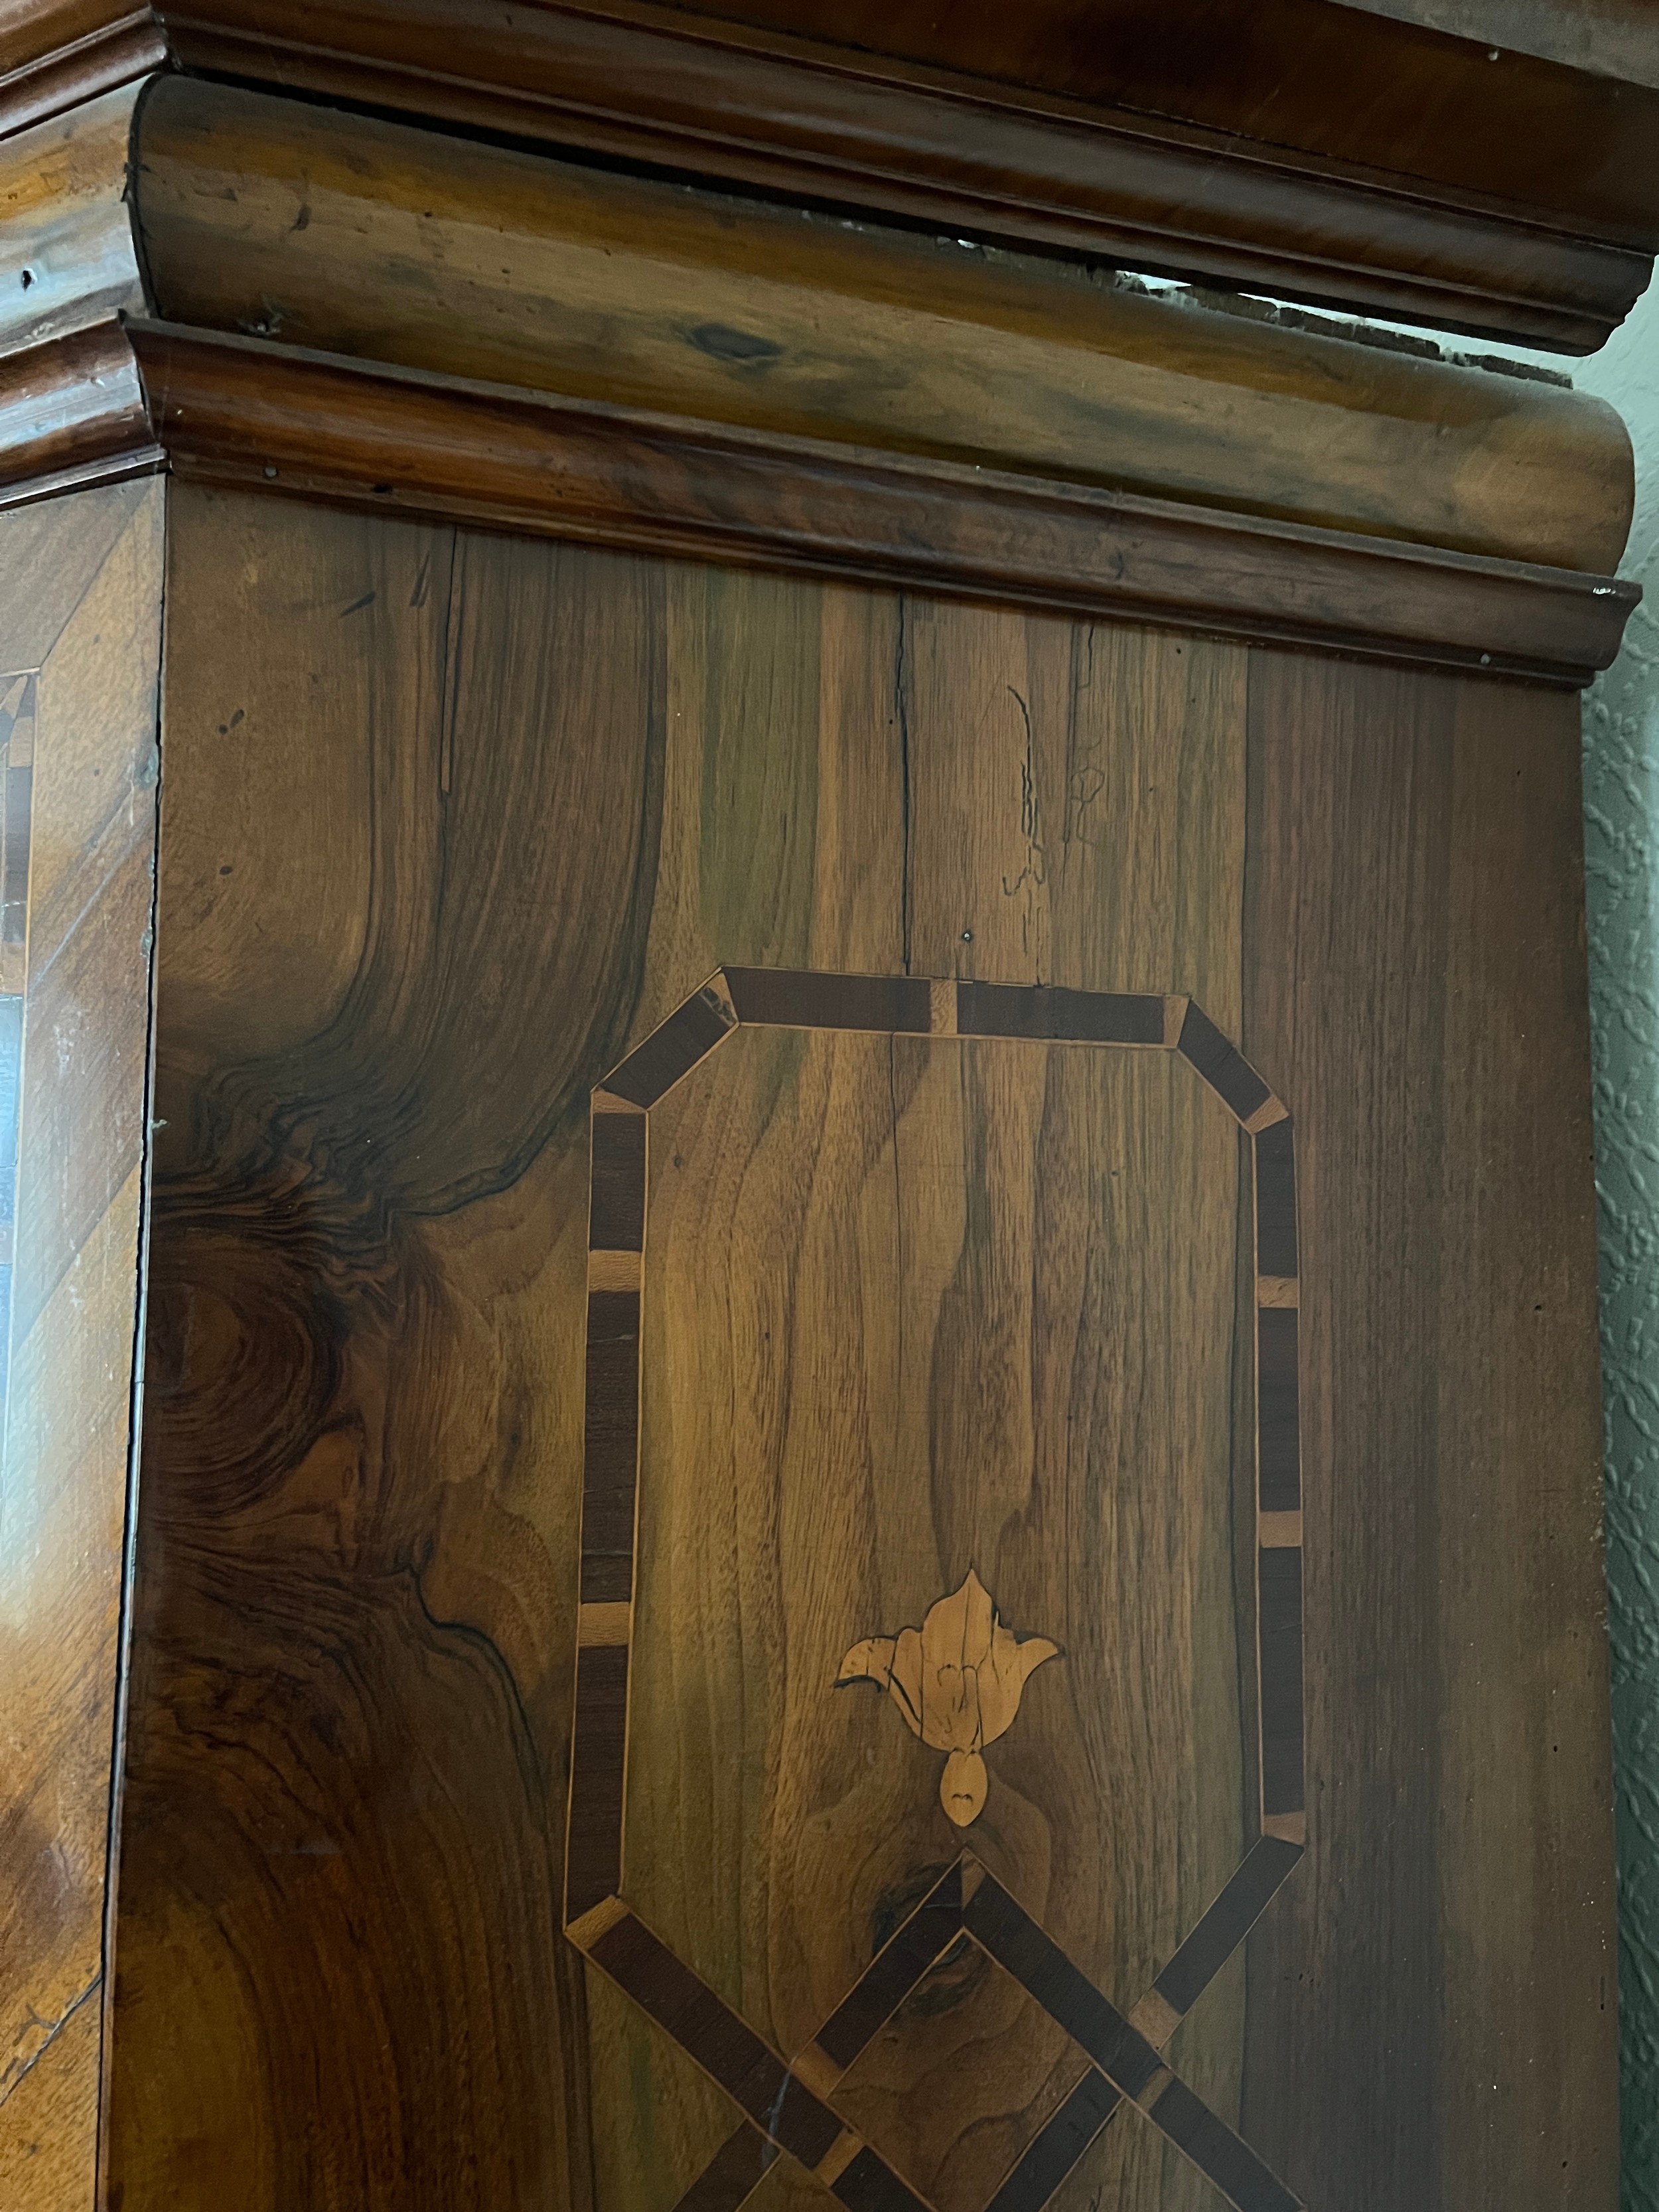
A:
610,1446
1222,1065
1058,2146
1219,2154
1227,1923
616,1212
672,1050
708,2030
894,1971
1280,1630
730,2175
1278,1408
1069,1997
594,1863
1275,1200
1044,1010
869,2185
804,1000
607,1579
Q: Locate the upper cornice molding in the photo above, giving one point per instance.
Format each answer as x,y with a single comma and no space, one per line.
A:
253,288
1355,155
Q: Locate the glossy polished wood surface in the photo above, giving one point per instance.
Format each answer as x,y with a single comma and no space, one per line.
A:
69,252
643,364
80,639
334,233
965,153
239,412
1338,81
1386,158
451,823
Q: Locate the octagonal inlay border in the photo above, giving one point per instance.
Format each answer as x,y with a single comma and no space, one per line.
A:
786,2102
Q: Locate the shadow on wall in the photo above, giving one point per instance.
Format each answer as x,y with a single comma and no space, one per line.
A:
1621,825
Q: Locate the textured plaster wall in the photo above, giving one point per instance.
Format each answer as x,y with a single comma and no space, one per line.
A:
1621,825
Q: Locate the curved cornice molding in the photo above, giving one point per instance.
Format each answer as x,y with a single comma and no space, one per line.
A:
139,395
267,291
1329,153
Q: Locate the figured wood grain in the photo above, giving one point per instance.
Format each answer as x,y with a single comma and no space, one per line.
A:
351,236
1427,842
965,1203
239,411
49,2121
973,139
1341,83
70,258
1093,835
71,408
337,606
232,412
83,606
452,823
783,697
973,154
369,1539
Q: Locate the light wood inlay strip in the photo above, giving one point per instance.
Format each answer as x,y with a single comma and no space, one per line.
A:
1155,2019
1154,2089
606,1101
1278,1532
839,2156
1278,1290
613,1271
942,1007
606,1622
1271,1110
818,2071
1288,1827
596,1922
1174,1013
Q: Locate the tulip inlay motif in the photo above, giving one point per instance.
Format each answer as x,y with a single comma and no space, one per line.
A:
958,1681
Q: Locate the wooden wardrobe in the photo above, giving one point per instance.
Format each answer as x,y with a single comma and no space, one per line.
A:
798,1199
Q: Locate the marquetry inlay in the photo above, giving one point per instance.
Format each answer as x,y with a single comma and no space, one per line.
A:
957,1678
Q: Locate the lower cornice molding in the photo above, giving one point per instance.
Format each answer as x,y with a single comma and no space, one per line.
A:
245,412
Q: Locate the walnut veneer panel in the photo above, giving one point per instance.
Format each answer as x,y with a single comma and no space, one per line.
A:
1418,844
471,849
80,639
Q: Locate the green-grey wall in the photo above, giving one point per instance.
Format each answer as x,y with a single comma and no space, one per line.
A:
1621,827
